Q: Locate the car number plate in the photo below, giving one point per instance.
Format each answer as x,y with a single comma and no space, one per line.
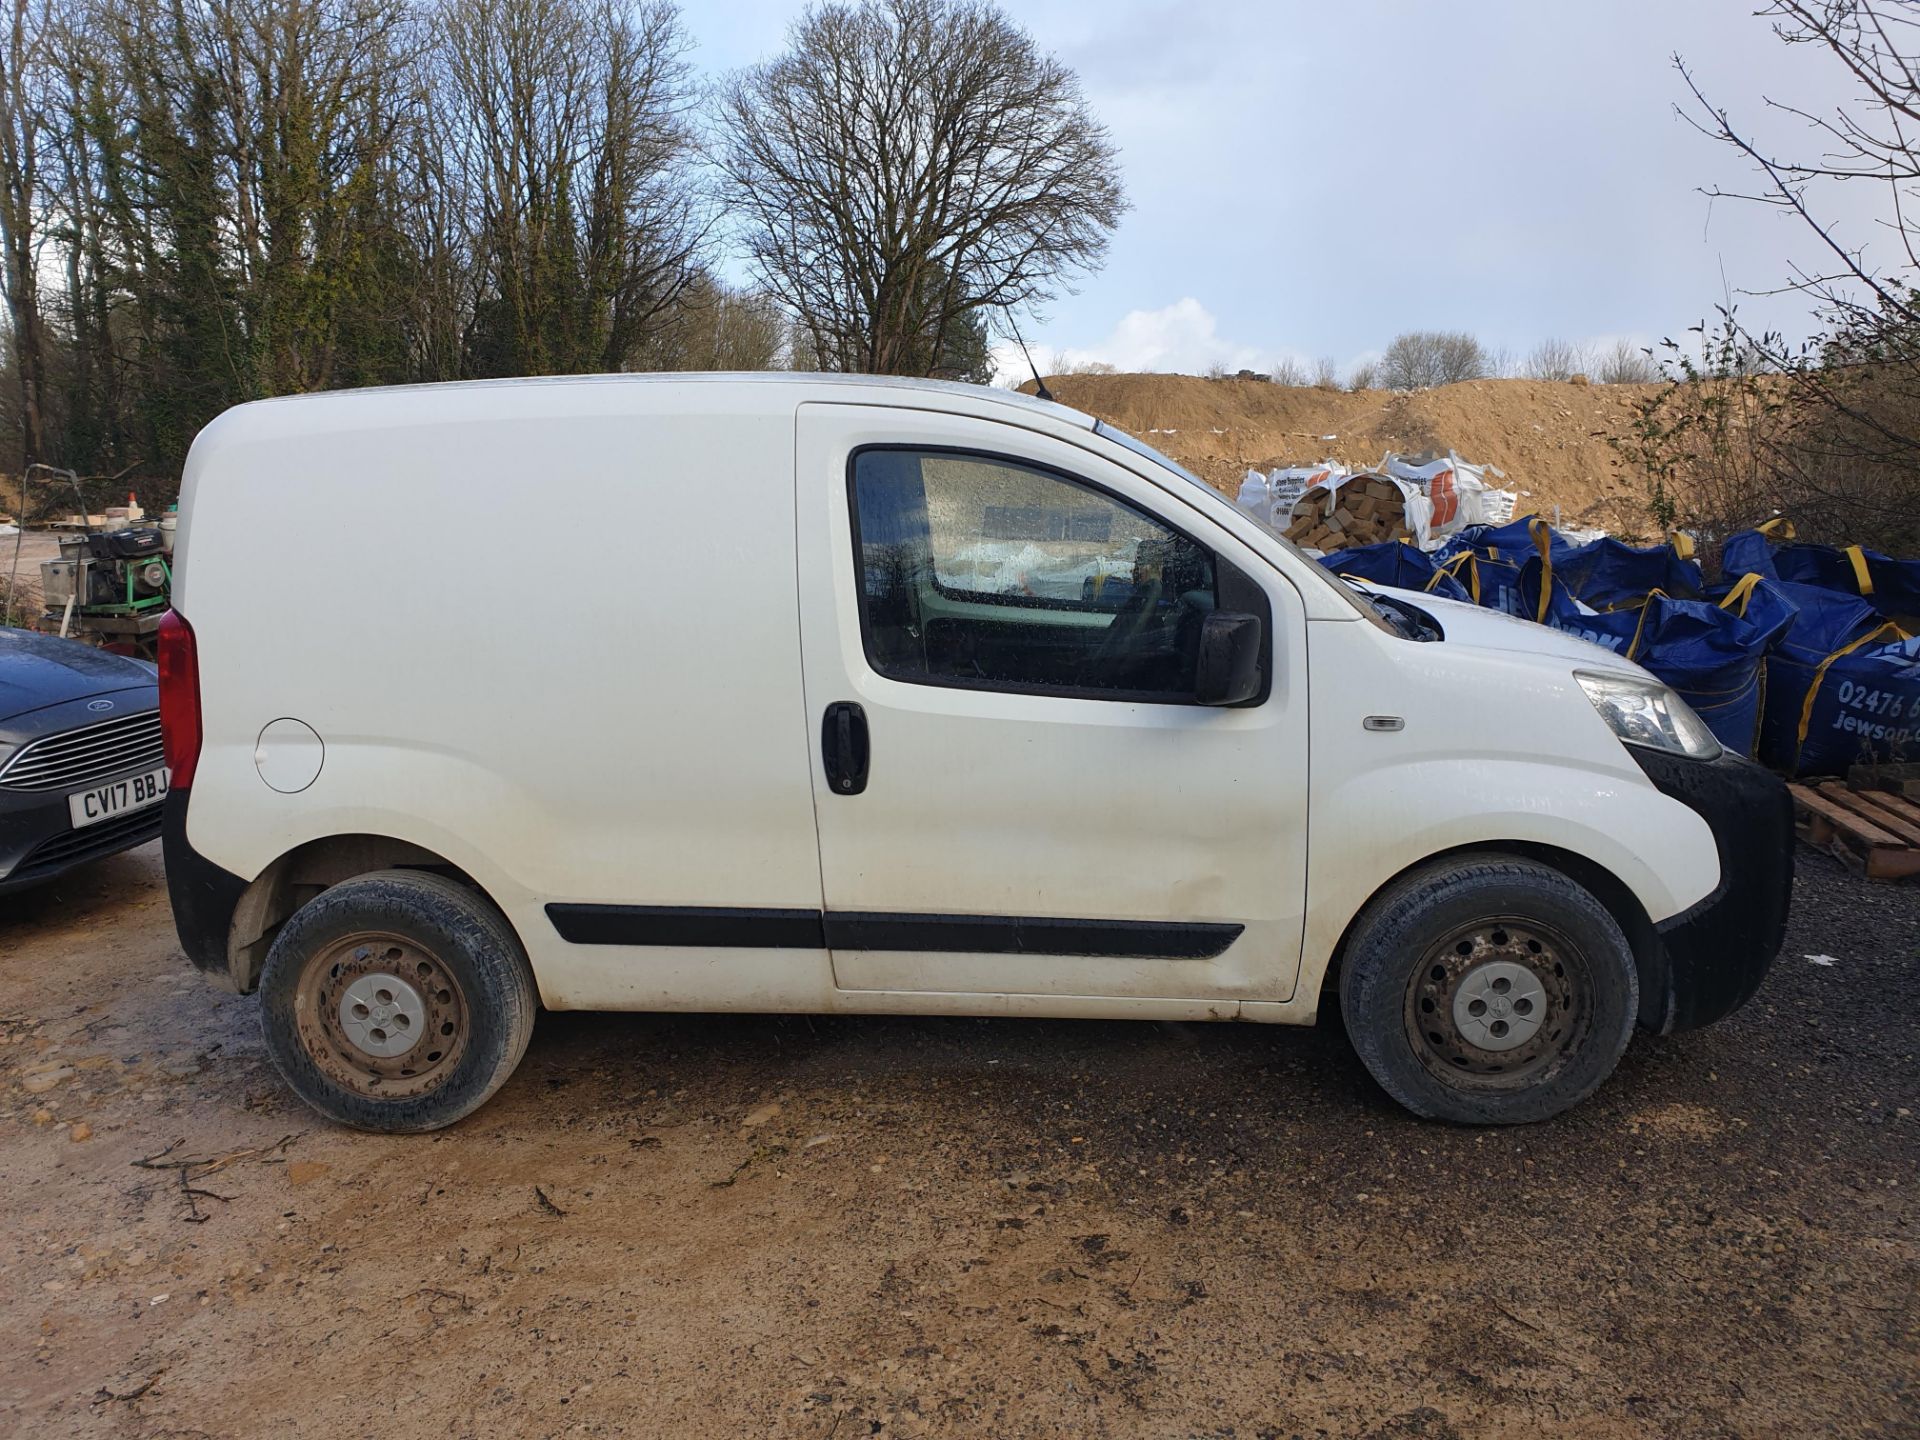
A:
117,797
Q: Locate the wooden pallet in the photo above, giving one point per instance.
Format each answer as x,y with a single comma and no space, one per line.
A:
1872,830
1901,778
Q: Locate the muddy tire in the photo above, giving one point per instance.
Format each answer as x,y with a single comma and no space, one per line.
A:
1488,990
397,1001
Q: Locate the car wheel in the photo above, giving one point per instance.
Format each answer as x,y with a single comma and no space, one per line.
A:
397,1001
1488,990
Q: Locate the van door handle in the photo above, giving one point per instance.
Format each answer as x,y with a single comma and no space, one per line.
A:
844,747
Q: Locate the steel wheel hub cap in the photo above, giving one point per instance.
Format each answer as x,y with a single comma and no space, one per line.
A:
382,1014
1496,1002
1499,1005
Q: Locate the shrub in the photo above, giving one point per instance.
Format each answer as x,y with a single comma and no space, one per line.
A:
1558,360
1728,441
1419,358
1626,364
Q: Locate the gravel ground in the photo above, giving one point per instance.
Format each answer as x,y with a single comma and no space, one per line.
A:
720,1226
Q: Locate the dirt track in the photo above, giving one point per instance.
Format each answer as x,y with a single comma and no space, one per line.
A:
847,1227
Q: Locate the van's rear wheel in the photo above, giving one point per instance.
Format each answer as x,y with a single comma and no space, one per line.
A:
397,1001
1488,990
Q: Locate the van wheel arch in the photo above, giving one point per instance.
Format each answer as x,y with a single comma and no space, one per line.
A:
304,872
1649,957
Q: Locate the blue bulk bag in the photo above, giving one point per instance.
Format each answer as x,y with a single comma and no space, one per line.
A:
1715,657
1604,574
1747,552
1487,559
1515,540
1487,580
1892,585
1842,686
1613,630
1765,604
1608,575
1392,562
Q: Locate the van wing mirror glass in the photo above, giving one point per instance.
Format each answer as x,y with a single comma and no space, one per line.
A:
1229,669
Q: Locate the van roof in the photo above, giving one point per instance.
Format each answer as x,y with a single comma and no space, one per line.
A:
881,387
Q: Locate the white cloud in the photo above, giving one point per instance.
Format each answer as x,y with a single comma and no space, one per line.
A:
1183,337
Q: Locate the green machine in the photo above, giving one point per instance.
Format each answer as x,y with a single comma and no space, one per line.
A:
113,580
114,584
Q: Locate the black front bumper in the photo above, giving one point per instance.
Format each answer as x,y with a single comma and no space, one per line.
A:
1713,956
39,843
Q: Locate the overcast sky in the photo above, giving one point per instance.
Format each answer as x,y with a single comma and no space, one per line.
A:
1309,179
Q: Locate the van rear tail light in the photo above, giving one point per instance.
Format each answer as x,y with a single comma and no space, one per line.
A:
179,698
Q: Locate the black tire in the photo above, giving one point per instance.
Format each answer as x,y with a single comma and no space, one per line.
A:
466,980
1420,959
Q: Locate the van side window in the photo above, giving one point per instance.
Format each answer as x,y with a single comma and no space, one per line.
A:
994,574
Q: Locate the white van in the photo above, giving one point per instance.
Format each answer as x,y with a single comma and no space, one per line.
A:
798,693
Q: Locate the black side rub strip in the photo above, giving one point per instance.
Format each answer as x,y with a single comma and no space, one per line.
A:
1028,935
688,925
848,930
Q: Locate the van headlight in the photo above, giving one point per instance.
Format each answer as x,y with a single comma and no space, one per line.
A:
1645,712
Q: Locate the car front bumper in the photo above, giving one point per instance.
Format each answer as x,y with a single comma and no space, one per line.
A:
1713,956
38,841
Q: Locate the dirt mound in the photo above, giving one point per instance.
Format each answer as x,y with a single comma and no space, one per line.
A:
1550,437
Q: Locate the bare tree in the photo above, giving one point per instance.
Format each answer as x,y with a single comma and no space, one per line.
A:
22,129
304,109
1290,372
907,163
568,124
224,209
1847,453
1326,373
1558,360
207,201
92,409
715,327
1420,358
436,212
1365,376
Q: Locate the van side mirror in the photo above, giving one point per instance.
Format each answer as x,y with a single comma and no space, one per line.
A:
1229,668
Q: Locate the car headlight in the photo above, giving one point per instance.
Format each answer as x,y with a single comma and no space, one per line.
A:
1645,712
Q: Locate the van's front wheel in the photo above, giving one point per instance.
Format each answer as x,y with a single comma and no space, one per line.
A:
397,1001
1488,990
